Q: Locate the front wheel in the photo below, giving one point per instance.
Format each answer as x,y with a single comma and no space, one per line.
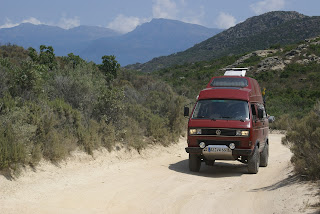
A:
210,162
264,156
194,163
254,162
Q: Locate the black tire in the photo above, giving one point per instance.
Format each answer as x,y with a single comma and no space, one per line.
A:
264,156
210,162
194,163
254,161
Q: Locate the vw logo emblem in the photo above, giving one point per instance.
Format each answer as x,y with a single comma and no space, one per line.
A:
218,132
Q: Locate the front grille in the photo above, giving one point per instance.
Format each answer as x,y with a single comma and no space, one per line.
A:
219,142
219,132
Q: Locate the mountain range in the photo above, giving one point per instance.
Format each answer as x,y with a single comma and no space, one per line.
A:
63,41
258,32
153,39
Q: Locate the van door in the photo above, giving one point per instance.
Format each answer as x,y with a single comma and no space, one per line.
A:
255,135
263,126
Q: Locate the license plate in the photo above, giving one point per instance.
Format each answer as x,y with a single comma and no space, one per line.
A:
219,149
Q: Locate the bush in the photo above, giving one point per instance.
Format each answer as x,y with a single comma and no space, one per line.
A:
107,134
282,123
12,150
304,141
50,106
133,135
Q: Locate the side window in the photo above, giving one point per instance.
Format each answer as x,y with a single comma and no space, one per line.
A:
253,111
261,108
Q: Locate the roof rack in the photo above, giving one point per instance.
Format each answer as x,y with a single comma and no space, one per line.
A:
236,72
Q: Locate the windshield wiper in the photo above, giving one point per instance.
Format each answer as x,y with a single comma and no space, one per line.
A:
226,117
214,119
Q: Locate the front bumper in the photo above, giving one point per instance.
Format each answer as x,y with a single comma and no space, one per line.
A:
235,152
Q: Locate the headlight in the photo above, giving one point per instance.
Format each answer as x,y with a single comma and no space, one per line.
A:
194,131
242,133
245,133
202,145
232,146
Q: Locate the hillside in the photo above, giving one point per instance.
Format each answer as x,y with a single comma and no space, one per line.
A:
255,33
291,75
156,38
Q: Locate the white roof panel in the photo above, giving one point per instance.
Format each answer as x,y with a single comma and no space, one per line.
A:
236,72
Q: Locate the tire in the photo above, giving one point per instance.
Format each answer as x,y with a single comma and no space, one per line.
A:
264,156
210,162
254,161
194,163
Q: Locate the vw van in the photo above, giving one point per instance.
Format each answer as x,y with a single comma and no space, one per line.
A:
229,122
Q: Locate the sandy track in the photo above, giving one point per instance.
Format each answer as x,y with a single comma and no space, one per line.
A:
158,181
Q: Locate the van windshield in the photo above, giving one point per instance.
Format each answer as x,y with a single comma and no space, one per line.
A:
221,110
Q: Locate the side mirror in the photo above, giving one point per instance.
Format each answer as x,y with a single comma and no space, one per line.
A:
186,111
260,113
271,119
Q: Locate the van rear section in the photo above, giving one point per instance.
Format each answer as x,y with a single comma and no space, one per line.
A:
228,122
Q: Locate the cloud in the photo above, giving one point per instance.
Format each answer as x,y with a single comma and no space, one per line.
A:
178,10
195,18
225,21
32,20
165,9
67,23
124,24
10,24
64,22
267,5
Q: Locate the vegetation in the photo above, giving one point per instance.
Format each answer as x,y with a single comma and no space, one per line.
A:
291,92
51,105
303,138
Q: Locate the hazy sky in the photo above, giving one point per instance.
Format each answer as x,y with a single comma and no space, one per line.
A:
125,15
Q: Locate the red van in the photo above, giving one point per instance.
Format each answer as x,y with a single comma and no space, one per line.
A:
229,122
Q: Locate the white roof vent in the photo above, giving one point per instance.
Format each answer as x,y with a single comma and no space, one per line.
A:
236,72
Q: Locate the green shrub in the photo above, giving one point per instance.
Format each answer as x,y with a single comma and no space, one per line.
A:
50,106
107,134
157,127
253,60
304,141
109,105
132,135
275,46
12,150
282,123
315,49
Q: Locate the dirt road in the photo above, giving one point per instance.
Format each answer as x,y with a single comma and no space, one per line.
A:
158,181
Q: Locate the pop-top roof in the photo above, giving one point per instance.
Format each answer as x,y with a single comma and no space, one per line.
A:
236,72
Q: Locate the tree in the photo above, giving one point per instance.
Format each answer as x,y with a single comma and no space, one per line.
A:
46,56
75,59
33,54
109,67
